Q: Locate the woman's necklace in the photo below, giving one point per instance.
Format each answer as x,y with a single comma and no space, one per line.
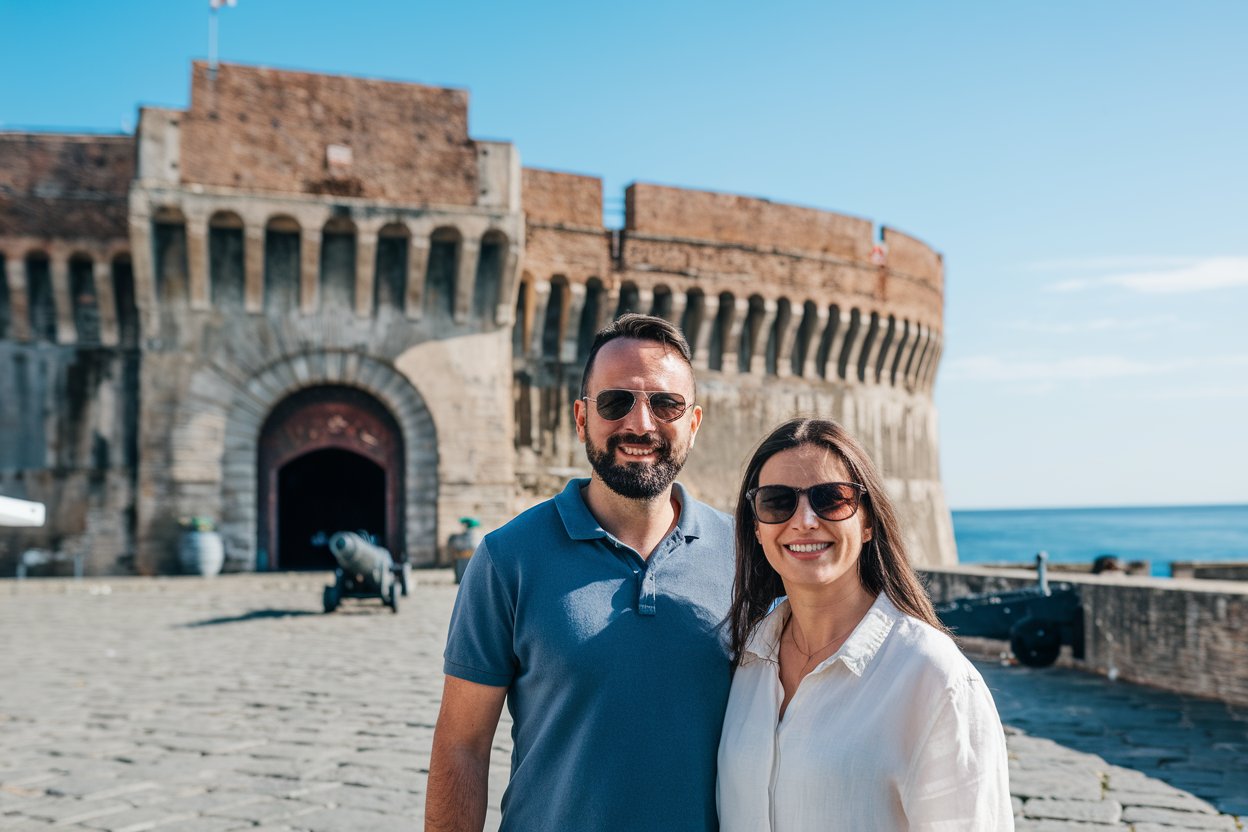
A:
809,656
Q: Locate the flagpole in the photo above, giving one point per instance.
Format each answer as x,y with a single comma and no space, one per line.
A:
212,41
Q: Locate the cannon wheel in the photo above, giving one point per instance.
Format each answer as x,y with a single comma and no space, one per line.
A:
330,598
1036,642
392,601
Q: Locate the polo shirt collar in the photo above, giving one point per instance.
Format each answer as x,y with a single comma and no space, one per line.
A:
856,653
582,525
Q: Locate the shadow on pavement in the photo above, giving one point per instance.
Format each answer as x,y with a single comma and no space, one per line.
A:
1197,745
254,615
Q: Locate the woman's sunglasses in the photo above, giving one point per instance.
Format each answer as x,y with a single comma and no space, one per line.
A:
616,404
830,500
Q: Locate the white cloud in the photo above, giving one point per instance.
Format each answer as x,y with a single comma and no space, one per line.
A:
1080,368
1159,276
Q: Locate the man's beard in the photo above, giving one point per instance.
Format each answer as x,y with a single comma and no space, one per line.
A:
636,480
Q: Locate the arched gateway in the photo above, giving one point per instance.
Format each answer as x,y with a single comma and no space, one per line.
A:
327,439
331,459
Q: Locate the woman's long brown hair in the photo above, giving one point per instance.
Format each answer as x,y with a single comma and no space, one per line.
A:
883,565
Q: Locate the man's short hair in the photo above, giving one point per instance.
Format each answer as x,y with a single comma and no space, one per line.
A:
641,328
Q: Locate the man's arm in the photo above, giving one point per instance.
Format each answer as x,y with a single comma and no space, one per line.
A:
459,766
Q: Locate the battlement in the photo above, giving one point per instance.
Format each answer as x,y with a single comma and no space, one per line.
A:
556,198
55,185
262,129
747,221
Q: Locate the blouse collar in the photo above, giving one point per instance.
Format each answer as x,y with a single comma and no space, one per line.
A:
857,651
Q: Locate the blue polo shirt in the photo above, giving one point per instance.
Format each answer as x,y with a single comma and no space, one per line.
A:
616,667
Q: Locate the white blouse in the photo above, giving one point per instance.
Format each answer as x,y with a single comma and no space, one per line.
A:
894,731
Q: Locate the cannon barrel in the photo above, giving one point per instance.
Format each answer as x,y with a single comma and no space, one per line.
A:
357,556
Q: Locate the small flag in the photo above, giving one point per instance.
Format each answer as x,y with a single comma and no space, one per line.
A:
216,4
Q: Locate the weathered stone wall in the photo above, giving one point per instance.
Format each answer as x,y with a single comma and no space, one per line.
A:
68,352
1178,634
1210,570
66,440
260,129
292,230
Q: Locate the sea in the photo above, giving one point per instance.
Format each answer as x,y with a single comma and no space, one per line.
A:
1078,535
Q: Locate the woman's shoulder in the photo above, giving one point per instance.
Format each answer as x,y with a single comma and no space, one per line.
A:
931,653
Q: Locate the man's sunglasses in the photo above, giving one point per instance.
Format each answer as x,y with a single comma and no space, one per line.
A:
830,500
616,404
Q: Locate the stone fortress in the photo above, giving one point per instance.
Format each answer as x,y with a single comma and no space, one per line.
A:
313,302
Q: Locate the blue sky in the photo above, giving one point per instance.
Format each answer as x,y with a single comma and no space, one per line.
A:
1082,166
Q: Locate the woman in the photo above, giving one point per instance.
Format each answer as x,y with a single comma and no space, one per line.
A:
851,708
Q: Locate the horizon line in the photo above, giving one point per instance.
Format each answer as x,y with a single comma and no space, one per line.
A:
1119,507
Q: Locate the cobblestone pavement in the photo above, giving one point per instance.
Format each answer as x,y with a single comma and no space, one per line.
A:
232,703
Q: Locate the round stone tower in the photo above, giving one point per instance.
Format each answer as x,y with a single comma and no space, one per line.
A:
789,310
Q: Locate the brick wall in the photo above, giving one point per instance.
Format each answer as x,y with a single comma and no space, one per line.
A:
269,130
743,220
64,186
551,197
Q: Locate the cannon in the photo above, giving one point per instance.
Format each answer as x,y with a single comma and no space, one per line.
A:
21,513
1036,620
365,570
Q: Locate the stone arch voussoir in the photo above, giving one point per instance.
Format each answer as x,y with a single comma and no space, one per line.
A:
253,402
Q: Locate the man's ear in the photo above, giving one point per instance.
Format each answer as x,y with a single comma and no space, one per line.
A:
579,409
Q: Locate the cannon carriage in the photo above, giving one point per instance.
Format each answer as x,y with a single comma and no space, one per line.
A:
365,570
1036,620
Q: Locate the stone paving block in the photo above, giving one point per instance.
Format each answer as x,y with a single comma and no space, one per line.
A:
13,805
72,810
27,776
202,824
78,785
293,769
1054,784
204,801
376,777
18,824
264,810
388,760
241,783
1182,820
1087,811
1178,800
137,820
344,819
390,801
1049,825
293,751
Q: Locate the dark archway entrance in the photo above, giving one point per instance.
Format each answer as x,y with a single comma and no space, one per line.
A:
323,492
330,459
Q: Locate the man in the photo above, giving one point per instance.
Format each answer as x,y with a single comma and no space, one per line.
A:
596,616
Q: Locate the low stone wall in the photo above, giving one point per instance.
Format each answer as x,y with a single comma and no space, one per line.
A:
1210,570
1181,635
